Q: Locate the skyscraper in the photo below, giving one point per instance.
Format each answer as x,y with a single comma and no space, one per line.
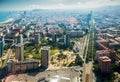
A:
54,38
37,38
66,40
89,17
45,57
19,52
1,45
20,39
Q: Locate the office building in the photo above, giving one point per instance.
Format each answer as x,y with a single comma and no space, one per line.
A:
89,17
76,33
66,40
105,64
37,38
45,57
19,52
20,39
1,45
54,38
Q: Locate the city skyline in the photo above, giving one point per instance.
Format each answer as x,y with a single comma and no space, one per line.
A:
8,5
60,40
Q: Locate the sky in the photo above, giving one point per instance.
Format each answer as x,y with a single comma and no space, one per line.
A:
54,4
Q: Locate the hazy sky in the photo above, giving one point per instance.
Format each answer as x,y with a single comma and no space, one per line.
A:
54,4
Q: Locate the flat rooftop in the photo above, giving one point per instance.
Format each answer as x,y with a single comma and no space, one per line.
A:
60,75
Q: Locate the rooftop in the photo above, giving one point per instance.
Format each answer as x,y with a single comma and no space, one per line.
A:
60,75
102,51
45,48
105,58
19,45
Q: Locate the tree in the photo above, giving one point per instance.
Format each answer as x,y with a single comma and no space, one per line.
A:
96,67
61,56
71,64
78,60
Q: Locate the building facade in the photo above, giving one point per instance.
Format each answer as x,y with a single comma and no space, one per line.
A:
22,66
76,33
54,38
37,38
19,52
45,57
20,39
1,45
105,64
66,40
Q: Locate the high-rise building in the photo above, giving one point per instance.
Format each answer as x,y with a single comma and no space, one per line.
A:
0,62
19,52
1,45
89,17
66,40
54,38
45,57
101,53
105,64
37,38
20,39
